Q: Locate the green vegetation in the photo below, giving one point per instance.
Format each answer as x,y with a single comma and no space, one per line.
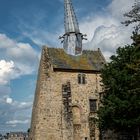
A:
133,16
121,79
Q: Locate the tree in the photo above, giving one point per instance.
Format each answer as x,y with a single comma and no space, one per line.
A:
121,101
121,79
133,16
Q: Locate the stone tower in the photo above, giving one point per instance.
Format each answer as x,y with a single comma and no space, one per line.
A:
67,96
68,89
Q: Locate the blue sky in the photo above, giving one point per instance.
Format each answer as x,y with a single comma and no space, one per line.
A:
26,25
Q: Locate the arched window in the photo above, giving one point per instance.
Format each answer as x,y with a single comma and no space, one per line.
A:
81,79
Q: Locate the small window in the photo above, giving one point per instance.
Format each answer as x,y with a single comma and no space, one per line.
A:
93,105
81,79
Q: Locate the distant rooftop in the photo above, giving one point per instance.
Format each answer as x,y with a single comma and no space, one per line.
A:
89,60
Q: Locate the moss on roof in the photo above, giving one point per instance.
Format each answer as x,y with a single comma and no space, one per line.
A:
89,60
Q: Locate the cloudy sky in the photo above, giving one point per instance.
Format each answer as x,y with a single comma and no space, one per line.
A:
26,25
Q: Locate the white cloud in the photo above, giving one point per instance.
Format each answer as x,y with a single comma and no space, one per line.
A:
108,39
109,33
6,42
14,122
9,100
14,113
91,23
118,7
15,105
22,105
16,59
6,71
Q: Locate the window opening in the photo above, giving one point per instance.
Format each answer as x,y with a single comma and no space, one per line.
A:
81,79
93,105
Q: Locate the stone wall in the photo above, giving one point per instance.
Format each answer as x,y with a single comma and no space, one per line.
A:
49,120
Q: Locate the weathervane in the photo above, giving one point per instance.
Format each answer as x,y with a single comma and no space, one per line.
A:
72,39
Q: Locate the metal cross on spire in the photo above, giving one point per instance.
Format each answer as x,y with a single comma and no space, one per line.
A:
72,39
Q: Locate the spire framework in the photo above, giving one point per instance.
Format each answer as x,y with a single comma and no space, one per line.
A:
72,39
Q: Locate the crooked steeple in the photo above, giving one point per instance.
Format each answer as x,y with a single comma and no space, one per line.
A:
72,39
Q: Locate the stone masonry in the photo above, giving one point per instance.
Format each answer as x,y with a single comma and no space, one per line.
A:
61,109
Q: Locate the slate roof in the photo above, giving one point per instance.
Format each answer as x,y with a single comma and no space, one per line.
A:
89,60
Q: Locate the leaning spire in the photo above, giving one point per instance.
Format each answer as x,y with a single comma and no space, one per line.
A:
72,39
